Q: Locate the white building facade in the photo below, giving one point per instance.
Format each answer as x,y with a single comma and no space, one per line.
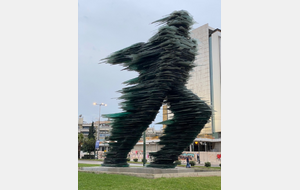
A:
205,80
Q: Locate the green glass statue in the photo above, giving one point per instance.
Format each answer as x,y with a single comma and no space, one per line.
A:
163,64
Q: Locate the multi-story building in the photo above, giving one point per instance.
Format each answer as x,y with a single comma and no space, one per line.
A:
205,80
83,127
102,130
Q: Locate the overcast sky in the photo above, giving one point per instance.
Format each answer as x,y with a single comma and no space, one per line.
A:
109,25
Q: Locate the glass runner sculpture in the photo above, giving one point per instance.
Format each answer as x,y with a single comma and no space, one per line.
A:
163,64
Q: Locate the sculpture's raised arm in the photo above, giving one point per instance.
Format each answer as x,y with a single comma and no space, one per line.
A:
123,55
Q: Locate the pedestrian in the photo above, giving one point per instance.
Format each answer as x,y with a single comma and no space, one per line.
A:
187,162
198,158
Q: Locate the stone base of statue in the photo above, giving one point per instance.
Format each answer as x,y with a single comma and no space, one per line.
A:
146,172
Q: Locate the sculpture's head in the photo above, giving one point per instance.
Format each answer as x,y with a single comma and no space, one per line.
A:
177,18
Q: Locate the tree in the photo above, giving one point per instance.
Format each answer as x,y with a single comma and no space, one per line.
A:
80,142
92,131
89,144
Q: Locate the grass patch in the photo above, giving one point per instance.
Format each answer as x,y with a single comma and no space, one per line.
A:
92,181
133,162
92,159
87,165
202,167
103,160
92,165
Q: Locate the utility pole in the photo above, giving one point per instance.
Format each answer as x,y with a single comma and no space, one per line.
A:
98,139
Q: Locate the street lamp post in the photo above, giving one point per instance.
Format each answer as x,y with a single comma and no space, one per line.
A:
144,148
205,151
199,152
102,104
205,155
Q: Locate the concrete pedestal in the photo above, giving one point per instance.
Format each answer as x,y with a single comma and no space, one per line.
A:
152,172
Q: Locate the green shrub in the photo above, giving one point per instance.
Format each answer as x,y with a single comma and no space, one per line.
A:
145,161
220,165
135,159
207,164
192,163
177,162
128,159
88,157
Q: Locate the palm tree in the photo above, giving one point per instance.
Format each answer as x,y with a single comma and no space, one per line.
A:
80,142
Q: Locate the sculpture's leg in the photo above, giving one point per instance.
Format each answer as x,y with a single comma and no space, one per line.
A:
141,109
190,116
